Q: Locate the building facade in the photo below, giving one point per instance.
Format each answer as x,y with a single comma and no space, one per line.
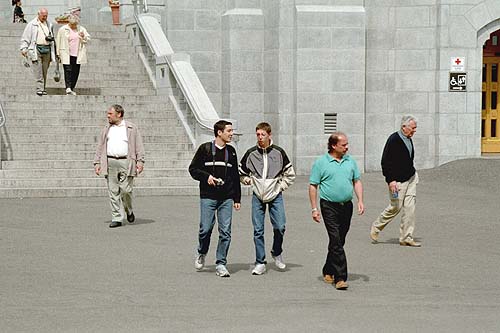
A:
312,66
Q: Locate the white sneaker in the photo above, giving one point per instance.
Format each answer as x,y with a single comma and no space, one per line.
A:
259,269
222,271
73,93
68,91
278,261
199,262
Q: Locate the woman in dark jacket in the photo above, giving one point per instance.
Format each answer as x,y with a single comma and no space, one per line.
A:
18,12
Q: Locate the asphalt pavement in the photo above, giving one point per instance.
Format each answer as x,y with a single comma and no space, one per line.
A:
63,270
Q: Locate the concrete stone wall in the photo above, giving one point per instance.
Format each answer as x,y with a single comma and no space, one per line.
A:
243,70
330,78
401,77
289,62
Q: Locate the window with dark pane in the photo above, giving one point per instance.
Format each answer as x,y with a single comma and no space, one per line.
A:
494,72
493,100
483,123
483,101
485,67
493,128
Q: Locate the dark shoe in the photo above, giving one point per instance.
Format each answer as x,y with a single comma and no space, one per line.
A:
115,224
341,285
39,93
131,217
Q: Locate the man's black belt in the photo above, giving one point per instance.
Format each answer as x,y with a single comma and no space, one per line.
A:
118,157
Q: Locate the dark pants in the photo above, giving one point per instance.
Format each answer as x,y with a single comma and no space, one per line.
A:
71,73
337,219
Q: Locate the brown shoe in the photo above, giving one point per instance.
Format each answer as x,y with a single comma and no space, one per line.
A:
410,242
341,285
374,235
328,279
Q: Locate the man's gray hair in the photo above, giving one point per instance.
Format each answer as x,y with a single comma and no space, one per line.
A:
406,120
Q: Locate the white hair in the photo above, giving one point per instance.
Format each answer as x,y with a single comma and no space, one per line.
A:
406,120
73,19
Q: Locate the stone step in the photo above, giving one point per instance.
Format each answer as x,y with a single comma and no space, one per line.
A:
79,139
85,155
91,131
70,147
79,164
81,91
83,101
85,173
139,110
102,191
93,63
58,121
99,77
22,84
49,142
90,182
12,43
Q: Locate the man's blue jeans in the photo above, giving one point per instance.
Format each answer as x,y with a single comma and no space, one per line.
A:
224,210
278,221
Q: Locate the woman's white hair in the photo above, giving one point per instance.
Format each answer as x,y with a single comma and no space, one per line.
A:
406,120
73,19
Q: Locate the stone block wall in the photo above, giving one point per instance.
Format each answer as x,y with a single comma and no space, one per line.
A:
329,78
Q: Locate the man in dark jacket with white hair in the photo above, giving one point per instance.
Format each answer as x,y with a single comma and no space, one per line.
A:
402,179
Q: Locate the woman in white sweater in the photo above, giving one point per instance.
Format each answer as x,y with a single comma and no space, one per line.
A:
71,50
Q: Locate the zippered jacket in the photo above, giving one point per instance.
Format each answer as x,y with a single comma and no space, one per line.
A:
219,163
135,149
269,171
28,40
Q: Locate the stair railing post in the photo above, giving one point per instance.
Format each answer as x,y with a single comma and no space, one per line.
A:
2,123
134,2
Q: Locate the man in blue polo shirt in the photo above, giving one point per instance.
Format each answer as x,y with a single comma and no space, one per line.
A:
337,175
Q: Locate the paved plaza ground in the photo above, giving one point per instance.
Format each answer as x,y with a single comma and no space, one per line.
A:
64,270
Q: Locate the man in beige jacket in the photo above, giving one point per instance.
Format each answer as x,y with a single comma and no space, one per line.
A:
119,157
37,45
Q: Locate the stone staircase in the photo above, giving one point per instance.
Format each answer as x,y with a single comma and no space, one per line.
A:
48,143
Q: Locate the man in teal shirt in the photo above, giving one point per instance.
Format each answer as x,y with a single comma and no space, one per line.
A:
337,176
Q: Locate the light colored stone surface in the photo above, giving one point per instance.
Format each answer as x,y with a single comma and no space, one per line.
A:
306,49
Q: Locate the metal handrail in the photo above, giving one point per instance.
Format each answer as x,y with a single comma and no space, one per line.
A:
163,49
143,4
2,116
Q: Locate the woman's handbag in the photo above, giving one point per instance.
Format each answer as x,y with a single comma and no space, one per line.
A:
57,74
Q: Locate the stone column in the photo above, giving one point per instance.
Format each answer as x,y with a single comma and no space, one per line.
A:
242,70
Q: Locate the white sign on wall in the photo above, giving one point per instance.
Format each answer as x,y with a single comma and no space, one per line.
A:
457,64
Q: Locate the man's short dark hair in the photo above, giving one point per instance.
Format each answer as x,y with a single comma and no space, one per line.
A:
263,126
118,109
220,126
334,139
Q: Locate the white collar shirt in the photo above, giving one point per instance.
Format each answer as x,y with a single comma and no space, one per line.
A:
43,31
117,144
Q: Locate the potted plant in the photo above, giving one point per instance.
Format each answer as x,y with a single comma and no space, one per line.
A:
115,10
